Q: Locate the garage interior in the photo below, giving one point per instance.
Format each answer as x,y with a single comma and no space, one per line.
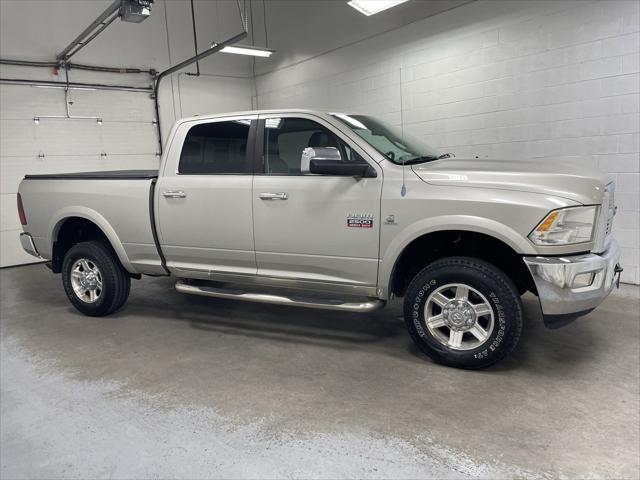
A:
175,386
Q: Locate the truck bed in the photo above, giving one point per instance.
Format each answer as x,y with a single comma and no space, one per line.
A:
120,203
111,175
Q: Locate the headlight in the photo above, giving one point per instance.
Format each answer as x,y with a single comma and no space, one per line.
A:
565,226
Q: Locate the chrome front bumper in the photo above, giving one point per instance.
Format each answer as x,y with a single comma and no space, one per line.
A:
28,246
572,286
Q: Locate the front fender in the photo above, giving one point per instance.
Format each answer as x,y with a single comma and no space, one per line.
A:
425,226
89,214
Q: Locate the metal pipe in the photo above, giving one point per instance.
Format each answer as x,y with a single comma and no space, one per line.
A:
195,37
78,66
82,44
67,104
74,85
64,55
210,51
156,107
28,63
67,117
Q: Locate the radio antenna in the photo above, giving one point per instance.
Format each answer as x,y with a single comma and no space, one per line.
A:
403,189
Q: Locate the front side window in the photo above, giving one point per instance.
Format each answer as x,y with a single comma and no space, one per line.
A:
390,141
286,138
216,148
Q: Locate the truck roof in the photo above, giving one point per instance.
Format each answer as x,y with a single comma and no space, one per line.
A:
257,112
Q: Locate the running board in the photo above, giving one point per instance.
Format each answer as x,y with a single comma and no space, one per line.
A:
236,294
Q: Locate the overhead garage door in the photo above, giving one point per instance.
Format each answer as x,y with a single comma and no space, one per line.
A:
125,138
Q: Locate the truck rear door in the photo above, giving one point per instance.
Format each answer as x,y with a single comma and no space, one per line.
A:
203,198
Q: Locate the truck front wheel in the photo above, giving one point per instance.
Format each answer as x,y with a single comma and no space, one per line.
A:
463,312
94,280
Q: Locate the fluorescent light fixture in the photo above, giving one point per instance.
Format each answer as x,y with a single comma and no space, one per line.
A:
371,7
245,50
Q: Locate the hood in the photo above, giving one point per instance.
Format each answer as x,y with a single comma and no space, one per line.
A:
561,179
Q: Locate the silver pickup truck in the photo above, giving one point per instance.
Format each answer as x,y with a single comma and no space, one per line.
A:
339,212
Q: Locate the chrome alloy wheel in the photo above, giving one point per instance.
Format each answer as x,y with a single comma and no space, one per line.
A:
86,280
459,316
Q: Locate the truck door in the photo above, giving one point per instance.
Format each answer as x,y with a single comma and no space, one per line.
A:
203,198
317,228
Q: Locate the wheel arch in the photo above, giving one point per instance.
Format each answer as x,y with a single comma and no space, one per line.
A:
435,238
70,226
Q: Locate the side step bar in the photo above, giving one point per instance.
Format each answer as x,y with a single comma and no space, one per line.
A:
235,294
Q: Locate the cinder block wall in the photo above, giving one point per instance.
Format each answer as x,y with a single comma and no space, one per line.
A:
542,80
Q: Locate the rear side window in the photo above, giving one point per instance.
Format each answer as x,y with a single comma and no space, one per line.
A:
216,148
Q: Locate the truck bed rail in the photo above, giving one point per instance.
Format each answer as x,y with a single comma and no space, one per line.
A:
112,175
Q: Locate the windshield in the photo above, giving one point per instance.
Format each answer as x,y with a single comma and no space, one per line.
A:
389,140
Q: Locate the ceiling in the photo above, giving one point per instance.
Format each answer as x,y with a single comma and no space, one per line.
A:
302,29
297,29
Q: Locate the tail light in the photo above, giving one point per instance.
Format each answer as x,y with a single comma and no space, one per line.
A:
23,218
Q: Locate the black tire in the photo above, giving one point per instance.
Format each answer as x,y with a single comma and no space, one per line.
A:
116,282
500,293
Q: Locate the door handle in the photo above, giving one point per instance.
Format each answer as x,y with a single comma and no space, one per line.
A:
174,194
273,196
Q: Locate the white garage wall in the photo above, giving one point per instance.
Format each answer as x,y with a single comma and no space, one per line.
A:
547,80
127,138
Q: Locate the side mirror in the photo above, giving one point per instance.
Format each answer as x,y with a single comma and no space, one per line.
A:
321,154
328,161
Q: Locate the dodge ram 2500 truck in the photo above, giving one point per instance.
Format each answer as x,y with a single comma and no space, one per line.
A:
339,212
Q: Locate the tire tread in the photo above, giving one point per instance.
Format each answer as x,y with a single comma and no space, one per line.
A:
116,279
512,300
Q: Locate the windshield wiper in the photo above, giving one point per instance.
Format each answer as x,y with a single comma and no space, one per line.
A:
413,161
427,158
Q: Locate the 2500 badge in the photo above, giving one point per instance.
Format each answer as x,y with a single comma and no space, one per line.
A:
360,220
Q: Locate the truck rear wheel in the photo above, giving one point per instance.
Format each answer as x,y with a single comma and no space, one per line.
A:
94,280
463,312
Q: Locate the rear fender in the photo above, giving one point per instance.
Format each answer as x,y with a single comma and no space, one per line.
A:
102,223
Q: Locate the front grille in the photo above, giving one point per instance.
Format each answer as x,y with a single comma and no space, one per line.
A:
609,207
604,223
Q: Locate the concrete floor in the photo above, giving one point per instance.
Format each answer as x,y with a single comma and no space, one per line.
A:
181,386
